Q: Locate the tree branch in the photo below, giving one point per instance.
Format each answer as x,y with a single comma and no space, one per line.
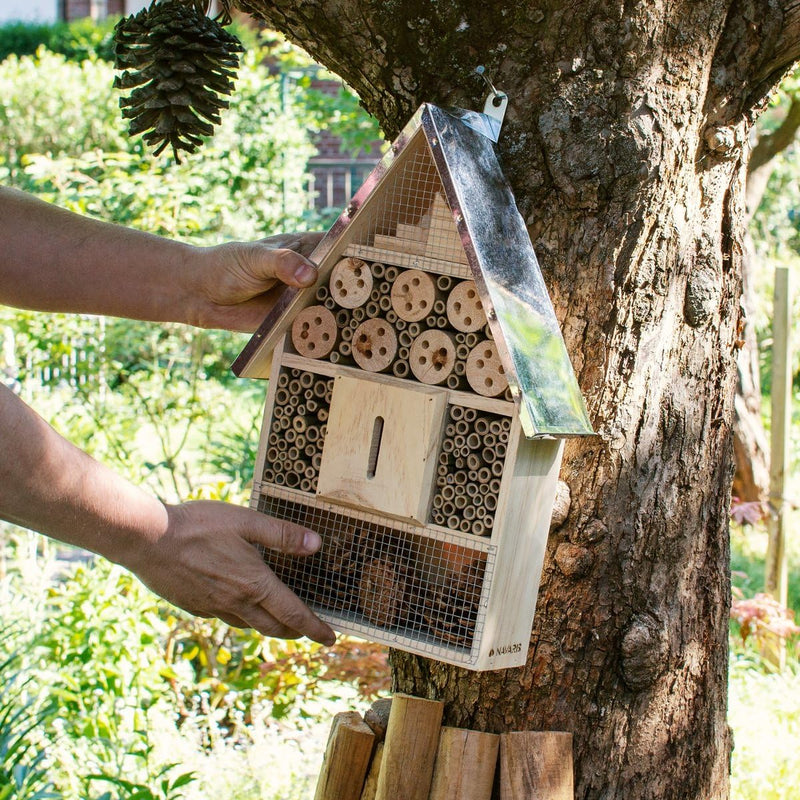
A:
787,48
773,143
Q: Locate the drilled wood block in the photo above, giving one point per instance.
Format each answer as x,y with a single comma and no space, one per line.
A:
314,332
413,295
485,371
432,356
351,282
374,345
465,309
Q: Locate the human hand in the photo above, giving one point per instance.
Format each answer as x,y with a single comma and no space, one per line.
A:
207,563
237,283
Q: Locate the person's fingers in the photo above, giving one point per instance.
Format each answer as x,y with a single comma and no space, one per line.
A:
287,266
265,623
233,620
276,534
280,602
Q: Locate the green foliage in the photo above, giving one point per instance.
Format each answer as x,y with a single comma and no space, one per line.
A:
23,774
78,40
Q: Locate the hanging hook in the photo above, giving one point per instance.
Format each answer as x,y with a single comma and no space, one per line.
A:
496,102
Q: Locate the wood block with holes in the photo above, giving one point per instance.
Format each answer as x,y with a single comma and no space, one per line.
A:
418,433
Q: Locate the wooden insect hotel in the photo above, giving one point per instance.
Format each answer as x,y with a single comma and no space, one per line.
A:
418,398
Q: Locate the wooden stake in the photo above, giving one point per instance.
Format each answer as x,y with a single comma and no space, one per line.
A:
371,784
346,758
465,765
410,749
536,765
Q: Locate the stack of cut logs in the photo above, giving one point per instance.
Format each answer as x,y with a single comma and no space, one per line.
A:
399,750
297,434
470,467
414,324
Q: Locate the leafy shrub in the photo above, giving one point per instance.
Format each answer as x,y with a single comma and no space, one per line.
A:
78,40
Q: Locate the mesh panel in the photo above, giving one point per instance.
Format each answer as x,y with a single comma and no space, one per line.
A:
370,575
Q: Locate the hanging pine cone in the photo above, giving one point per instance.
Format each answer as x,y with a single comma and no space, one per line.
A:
182,61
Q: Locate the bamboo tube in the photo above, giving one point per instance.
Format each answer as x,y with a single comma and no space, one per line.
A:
300,410
391,317
346,334
460,462
316,461
322,294
456,413
465,765
469,512
330,304
385,288
391,273
459,440
273,439
293,453
358,315
385,304
453,521
470,415
414,328
336,358
311,403
472,340
269,475
273,454
282,396
441,481
439,307
448,508
310,449
438,502
305,485
279,479
536,764
283,380
371,783
484,475
319,389
404,338
444,283
291,434
501,449
312,433
472,477
461,338
323,431
448,492
488,455
372,310
322,414
403,353
454,381
301,423
294,372
479,527
284,423
497,468
463,426
430,321
378,270
342,318
490,501
487,332
460,502
508,395
439,518
345,349
294,390
465,526
494,486
346,760
441,322
474,441
375,294
442,470
292,479
444,460
473,492
474,462
448,446
400,369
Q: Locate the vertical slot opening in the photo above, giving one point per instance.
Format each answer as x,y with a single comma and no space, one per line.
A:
375,447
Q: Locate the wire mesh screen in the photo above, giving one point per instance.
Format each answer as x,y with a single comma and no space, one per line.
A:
370,575
409,216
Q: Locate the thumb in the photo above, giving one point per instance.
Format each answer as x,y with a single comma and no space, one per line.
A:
287,266
279,534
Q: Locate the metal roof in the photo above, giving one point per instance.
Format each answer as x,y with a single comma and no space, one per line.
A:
500,257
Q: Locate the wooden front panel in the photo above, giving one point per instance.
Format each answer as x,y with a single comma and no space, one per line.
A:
381,446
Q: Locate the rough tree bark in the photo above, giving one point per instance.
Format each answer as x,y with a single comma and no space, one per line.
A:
625,142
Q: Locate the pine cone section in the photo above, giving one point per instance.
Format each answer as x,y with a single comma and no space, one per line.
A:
179,64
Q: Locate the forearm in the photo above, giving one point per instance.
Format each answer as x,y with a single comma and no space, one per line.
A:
54,260
50,486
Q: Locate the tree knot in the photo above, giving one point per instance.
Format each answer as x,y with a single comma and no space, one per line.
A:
573,560
644,651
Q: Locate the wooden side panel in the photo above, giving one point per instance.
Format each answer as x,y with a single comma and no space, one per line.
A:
381,447
522,524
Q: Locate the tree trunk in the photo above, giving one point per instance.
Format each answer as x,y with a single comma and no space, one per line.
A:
624,141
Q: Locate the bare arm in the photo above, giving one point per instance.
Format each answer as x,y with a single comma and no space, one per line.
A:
54,260
200,556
